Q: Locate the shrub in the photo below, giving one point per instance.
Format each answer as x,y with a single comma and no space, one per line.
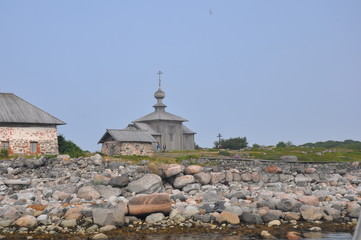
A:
233,143
224,153
4,152
281,145
68,147
256,145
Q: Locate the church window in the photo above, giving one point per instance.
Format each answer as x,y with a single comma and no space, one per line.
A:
4,144
33,147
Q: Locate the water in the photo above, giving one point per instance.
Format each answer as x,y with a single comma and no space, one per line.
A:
205,236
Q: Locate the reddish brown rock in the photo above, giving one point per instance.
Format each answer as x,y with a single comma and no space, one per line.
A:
273,169
293,236
310,170
309,200
146,204
74,213
194,169
26,221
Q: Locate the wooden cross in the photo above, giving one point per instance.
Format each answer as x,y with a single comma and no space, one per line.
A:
160,81
219,136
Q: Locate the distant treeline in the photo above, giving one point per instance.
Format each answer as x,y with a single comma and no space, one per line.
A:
350,144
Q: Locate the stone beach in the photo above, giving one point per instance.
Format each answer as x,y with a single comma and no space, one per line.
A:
96,198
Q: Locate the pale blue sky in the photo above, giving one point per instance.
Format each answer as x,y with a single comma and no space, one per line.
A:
271,71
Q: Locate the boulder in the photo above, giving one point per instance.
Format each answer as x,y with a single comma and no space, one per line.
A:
149,183
10,213
193,169
309,200
272,215
190,211
228,217
286,204
248,217
203,178
74,213
108,216
26,221
154,218
183,181
107,191
217,177
172,169
246,177
191,187
107,228
311,213
273,169
88,193
211,197
302,180
68,223
97,159
119,181
145,204
234,209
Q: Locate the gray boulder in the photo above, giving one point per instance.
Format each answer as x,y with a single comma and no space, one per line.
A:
311,213
107,191
286,205
149,183
154,218
203,178
183,181
272,215
108,216
119,181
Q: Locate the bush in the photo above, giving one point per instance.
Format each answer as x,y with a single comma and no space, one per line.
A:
68,147
256,145
4,152
233,143
224,153
281,145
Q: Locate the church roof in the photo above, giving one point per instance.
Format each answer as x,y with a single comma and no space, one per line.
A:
146,127
124,135
16,110
160,115
187,130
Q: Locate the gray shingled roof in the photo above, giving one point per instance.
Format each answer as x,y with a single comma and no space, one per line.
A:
187,130
160,115
123,135
16,110
145,126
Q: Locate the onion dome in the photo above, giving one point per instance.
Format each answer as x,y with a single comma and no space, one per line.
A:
159,94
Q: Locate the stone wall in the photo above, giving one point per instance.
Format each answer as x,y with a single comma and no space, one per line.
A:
21,137
112,148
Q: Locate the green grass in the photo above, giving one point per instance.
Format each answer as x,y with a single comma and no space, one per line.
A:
308,154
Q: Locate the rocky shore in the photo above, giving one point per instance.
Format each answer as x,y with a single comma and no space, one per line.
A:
96,199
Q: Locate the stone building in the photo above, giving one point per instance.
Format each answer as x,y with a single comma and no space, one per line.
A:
127,142
166,129
26,129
